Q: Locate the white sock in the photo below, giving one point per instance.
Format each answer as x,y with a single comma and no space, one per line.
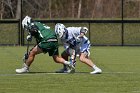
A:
95,67
66,62
24,65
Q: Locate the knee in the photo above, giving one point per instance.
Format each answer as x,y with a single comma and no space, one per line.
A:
81,59
64,56
56,59
31,53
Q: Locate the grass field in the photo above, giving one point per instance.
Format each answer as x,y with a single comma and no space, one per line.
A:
120,65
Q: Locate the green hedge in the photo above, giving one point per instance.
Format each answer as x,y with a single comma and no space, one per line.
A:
100,33
9,33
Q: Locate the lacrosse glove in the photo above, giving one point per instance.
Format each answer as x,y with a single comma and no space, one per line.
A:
29,38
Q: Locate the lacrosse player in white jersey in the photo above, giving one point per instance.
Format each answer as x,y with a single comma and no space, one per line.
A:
75,43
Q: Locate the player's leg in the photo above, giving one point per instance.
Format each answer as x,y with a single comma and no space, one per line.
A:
53,51
36,50
85,60
65,55
59,59
69,52
64,69
84,57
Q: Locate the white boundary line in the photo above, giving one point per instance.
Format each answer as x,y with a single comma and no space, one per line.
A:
136,91
28,74
53,73
120,72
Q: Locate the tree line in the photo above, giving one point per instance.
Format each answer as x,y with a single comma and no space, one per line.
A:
69,9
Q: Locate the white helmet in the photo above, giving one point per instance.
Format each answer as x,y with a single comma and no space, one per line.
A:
59,30
26,21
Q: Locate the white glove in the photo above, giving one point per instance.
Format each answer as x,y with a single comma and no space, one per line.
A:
29,38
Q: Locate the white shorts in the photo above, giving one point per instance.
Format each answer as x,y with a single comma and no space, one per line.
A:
81,48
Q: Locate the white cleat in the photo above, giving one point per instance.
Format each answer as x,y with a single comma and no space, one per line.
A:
71,71
65,70
22,70
97,71
71,68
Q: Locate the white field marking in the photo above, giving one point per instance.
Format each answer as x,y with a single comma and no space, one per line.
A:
119,72
136,91
52,73
8,88
42,73
30,74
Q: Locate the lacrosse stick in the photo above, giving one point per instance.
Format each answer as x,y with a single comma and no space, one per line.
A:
25,57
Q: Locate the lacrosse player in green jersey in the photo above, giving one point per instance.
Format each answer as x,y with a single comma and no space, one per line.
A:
46,43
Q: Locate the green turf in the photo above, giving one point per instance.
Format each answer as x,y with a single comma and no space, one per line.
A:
120,65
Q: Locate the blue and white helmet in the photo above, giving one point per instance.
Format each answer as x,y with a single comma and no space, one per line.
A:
25,22
59,30
84,30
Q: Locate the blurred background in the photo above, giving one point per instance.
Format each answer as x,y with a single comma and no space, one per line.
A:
110,22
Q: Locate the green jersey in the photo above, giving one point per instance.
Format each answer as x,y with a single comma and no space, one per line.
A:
46,39
44,33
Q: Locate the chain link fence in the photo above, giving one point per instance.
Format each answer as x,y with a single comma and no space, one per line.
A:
111,31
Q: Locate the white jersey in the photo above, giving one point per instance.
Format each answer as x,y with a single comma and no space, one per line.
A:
70,40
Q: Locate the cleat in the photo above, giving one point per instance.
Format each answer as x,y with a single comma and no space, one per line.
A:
70,66
22,70
97,71
63,70
71,71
